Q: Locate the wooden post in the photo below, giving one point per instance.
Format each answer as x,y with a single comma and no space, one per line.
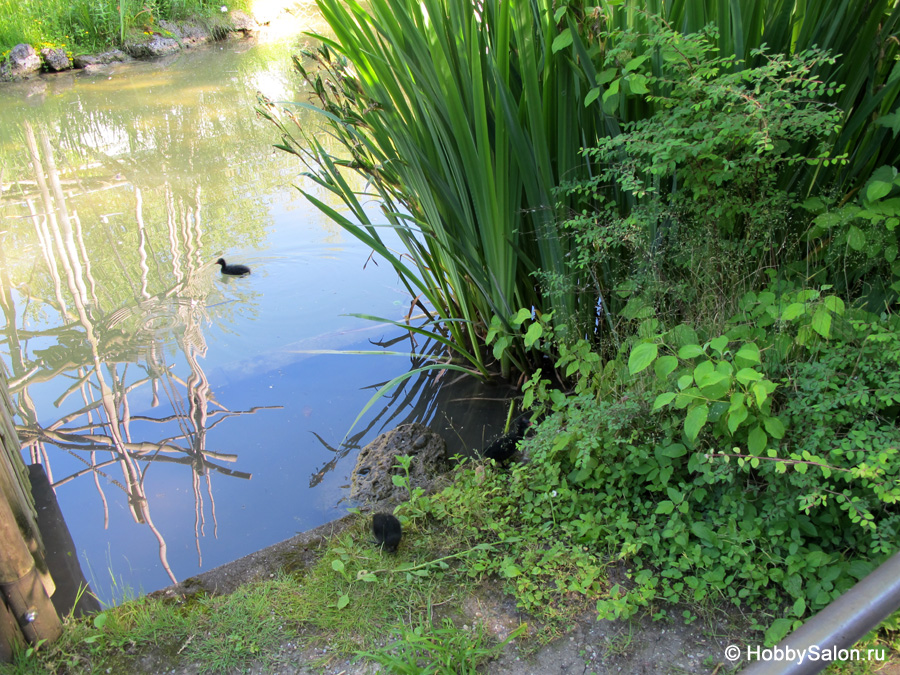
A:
20,585
25,583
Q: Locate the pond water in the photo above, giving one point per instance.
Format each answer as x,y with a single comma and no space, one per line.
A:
185,418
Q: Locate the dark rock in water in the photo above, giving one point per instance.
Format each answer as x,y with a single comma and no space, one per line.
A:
188,33
157,46
501,449
387,531
87,60
22,62
56,59
371,480
233,270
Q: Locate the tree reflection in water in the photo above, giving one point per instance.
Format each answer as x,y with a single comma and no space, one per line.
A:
110,355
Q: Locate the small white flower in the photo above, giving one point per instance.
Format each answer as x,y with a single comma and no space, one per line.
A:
553,494
224,8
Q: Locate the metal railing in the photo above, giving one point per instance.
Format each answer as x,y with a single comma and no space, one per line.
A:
832,632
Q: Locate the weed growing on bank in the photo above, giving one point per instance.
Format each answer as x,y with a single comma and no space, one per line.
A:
525,527
87,26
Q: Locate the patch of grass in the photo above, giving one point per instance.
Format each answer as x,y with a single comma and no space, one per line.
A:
444,651
357,593
350,599
874,650
247,625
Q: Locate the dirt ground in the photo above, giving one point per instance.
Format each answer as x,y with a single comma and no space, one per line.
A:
639,646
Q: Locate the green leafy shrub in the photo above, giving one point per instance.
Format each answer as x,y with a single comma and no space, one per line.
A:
759,466
855,245
706,211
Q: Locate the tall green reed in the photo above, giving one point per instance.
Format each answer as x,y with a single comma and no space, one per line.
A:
454,112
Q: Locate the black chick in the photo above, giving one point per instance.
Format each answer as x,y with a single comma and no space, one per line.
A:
387,531
505,447
233,270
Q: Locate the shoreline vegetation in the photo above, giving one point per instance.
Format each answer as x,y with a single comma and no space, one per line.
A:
94,26
37,39
678,226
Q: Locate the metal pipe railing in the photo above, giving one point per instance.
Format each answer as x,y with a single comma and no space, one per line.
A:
837,627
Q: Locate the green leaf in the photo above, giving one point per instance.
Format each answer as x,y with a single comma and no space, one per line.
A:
704,371
638,83
813,204
777,631
634,63
343,601
533,334
747,375
747,355
337,565
690,351
716,386
510,571
757,440
607,75
663,399
834,303
500,346
719,344
665,507
792,311
736,417
695,420
759,391
520,317
702,531
674,451
821,322
891,121
642,356
562,40
612,89
774,427
877,189
856,238
665,365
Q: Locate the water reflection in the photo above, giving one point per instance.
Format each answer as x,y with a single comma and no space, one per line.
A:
96,348
150,387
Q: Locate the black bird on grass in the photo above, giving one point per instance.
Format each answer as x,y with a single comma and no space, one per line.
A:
233,270
387,531
504,447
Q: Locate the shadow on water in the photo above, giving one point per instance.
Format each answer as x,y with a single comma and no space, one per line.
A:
185,419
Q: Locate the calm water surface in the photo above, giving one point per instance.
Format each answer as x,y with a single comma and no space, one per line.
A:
185,418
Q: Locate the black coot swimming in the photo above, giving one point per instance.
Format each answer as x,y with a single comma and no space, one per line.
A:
387,531
505,447
233,270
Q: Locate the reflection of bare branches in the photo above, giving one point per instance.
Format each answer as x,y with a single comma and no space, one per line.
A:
317,477
413,400
94,348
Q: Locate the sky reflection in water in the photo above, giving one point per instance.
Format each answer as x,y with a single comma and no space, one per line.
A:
226,425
